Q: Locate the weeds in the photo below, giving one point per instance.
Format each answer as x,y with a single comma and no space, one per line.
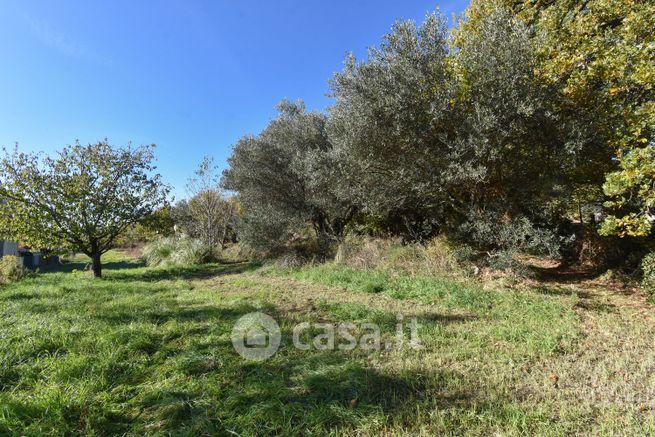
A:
436,256
11,270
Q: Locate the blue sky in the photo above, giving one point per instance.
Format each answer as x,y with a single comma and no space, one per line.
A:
190,76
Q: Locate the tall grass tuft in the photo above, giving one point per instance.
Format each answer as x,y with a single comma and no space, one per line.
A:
181,252
159,251
190,251
436,256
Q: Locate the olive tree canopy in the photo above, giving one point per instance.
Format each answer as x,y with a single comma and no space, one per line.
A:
287,178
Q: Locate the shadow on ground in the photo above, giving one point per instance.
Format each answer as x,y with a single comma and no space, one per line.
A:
170,368
124,270
193,272
563,274
67,267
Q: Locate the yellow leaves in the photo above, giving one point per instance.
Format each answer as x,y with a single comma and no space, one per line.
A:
600,54
632,186
632,225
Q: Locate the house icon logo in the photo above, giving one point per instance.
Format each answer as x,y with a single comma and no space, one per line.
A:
256,336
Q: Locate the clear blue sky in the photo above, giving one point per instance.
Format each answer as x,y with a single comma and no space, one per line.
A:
190,76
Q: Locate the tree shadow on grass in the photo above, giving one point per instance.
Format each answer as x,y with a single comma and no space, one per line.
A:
170,310
20,296
563,274
322,388
192,272
548,290
68,267
598,307
328,390
190,380
187,378
446,319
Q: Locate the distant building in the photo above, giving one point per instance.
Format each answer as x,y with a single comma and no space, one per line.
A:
26,257
8,248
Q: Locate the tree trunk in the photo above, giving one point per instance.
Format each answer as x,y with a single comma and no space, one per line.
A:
224,237
96,265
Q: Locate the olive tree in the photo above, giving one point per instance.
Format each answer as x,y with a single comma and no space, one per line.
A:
80,200
508,142
286,178
392,120
443,133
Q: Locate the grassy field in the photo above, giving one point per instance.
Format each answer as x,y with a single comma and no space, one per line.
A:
148,351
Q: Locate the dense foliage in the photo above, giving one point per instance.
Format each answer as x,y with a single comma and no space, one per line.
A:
601,56
511,132
11,270
392,121
648,269
158,224
288,178
79,201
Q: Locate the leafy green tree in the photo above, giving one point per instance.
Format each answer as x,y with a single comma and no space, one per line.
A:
286,179
510,150
80,200
392,122
601,56
158,224
441,135
632,191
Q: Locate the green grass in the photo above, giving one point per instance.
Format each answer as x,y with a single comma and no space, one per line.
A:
536,325
147,352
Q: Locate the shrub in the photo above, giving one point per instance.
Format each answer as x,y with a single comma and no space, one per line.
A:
11,270
190,251
648,269
502,260
464,253
591,250
181,252
159,251
437,256
494,232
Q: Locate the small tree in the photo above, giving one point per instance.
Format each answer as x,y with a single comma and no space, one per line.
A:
208,214
156,225
80,200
